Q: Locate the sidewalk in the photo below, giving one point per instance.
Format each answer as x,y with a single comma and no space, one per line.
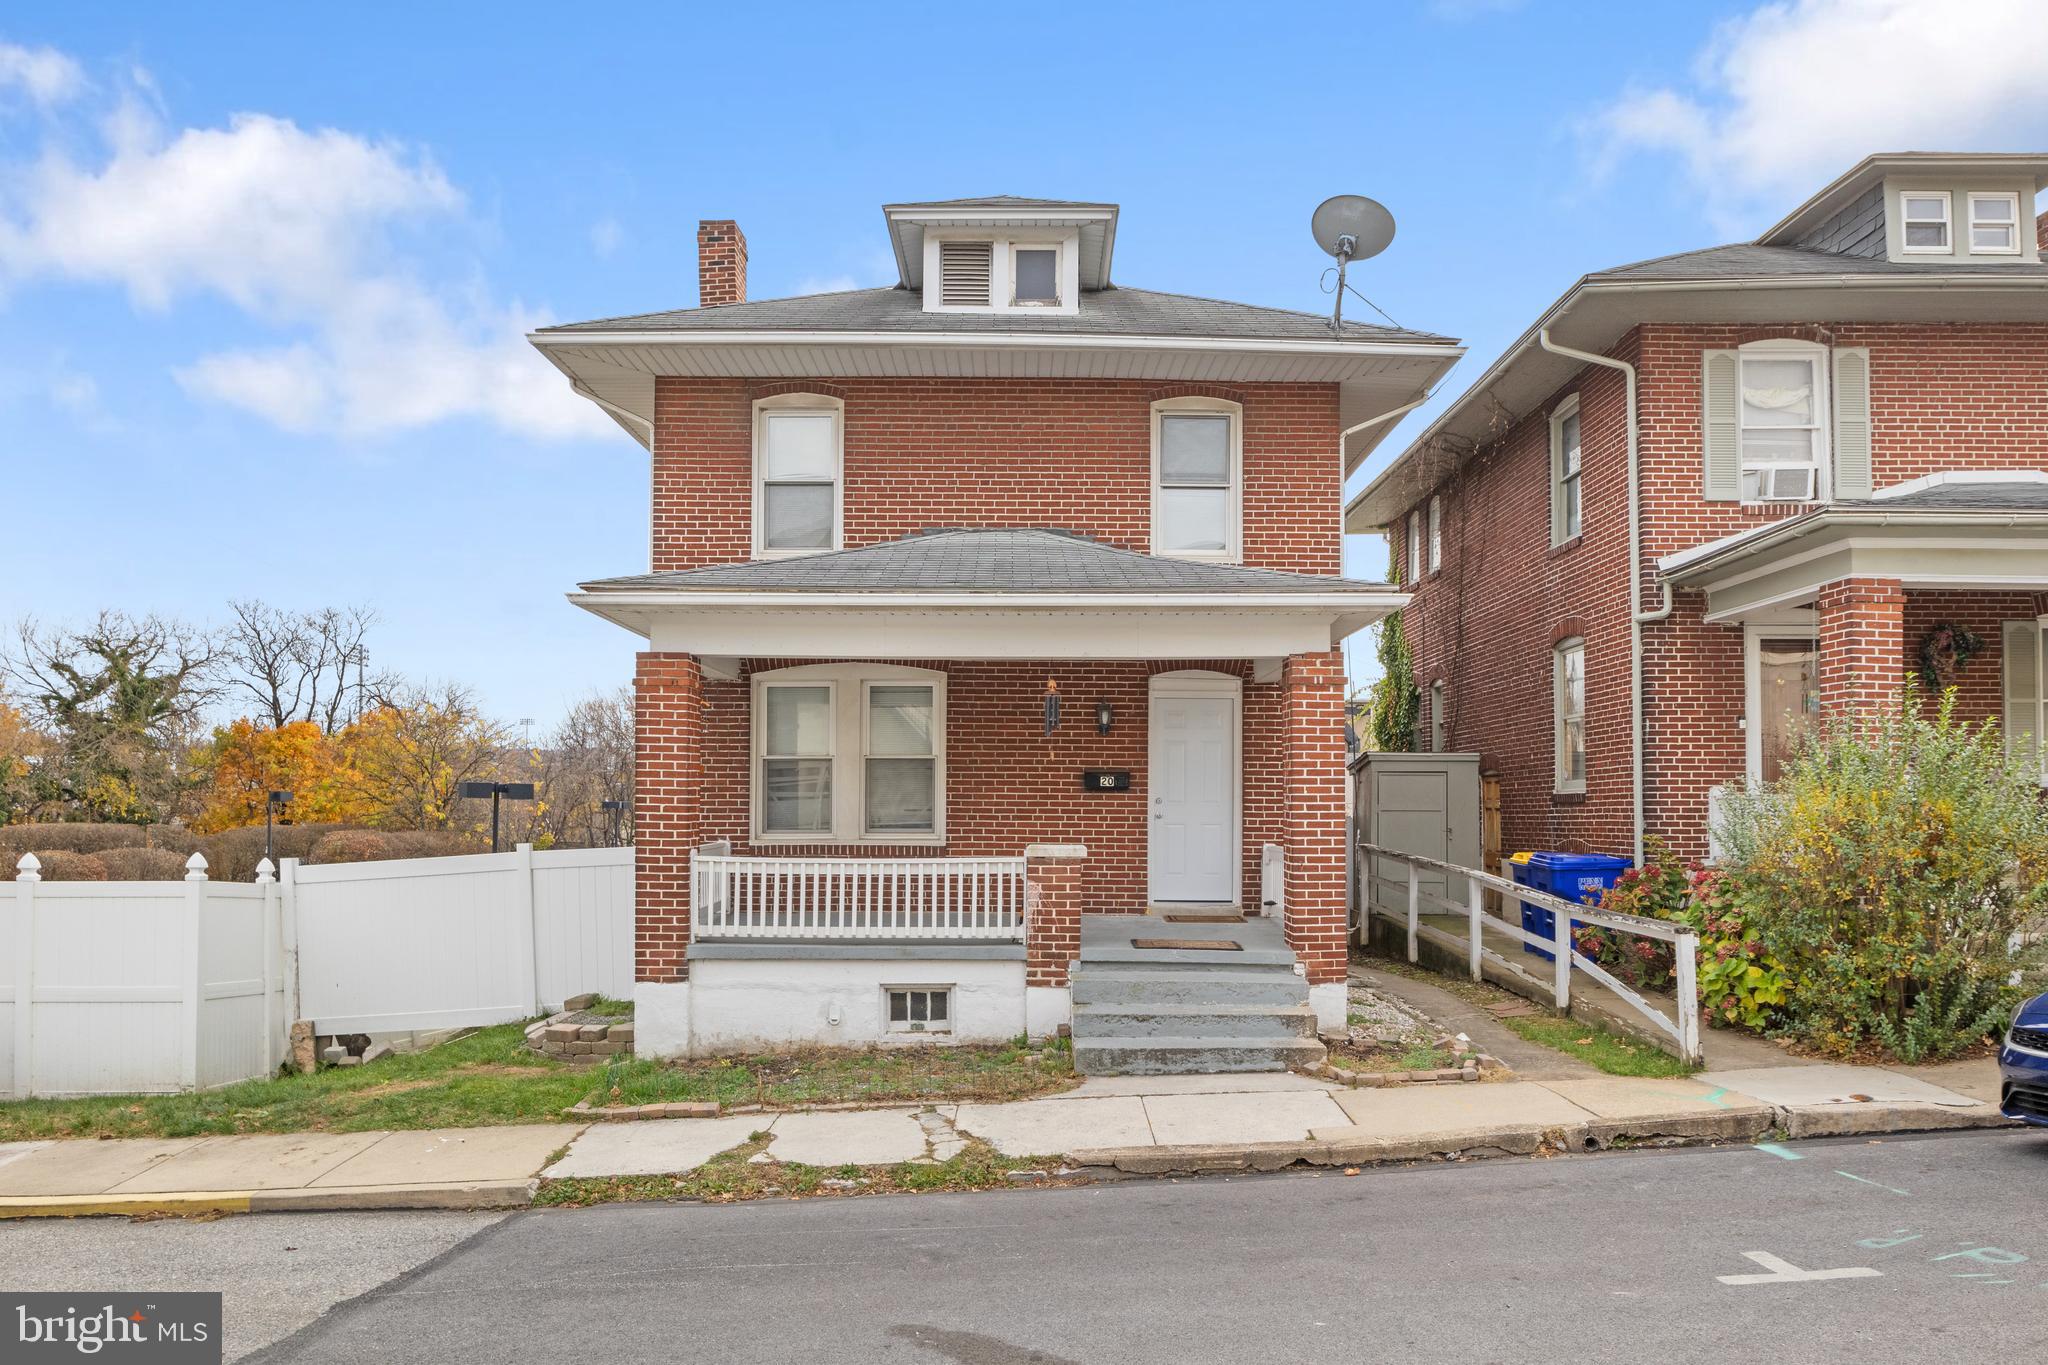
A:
1135,1124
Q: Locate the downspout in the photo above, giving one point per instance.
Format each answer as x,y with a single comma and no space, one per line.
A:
1637,617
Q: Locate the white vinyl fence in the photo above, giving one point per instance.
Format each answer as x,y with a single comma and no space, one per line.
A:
140,987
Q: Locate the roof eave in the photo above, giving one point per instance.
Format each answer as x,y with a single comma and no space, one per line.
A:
1688,568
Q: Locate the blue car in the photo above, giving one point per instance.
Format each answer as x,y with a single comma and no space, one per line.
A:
2023,1064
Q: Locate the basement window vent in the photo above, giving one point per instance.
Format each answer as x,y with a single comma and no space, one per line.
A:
965,273
918,1009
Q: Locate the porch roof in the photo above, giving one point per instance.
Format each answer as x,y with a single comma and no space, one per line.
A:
1980,529
1012,560
1027,593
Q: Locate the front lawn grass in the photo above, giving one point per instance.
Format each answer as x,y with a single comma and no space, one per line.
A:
731,1178
489,1077
1614,1053
820,1075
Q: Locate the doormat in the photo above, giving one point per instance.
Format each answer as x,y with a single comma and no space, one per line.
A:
1203,945
1203,919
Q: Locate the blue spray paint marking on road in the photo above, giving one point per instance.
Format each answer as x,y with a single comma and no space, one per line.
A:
1860,1180
1775,1150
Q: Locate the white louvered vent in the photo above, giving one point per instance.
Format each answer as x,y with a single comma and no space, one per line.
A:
965,269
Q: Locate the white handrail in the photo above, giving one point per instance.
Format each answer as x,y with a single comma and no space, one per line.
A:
740,897
1684,1031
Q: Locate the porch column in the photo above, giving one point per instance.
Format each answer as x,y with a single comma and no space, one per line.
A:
1312,827
1862,644
668,779
1052,932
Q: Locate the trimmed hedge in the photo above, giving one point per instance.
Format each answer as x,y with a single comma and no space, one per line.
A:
141,864
231,855
62,865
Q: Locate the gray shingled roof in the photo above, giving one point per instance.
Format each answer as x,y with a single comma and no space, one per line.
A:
1745,260
1002,201
1019,560
1106,312
1992,495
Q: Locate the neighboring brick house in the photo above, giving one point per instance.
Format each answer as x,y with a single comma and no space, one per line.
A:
1841,431
893,531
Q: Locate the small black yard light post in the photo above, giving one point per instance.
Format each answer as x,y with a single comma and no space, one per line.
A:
272,804
616,810
511,791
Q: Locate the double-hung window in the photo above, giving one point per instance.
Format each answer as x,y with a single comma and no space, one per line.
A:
796,758
1414,539
2025,685
1568,667
1198,473
1924,223
1436,533
1781,420
849,753
1564,471
1995,224
797,445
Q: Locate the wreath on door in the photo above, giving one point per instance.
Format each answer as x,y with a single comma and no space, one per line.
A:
1944,649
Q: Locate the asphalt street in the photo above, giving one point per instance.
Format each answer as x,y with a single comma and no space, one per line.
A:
1905,1249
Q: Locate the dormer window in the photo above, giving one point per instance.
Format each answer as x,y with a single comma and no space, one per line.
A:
1925,220
1035,276
1995,224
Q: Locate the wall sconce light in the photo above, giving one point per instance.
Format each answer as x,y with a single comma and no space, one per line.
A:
1105,717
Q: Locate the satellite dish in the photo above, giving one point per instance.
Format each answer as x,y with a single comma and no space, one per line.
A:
1352,227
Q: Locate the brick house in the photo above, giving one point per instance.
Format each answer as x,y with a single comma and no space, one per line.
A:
987,612
1708,499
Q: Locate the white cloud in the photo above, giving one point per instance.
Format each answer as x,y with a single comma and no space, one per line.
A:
305,231
45,75
1792,94
606,235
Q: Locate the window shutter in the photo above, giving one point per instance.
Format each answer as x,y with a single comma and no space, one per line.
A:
964,273
1852,422
2022,718
1720,389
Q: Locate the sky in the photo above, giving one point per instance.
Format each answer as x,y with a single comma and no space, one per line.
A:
265,270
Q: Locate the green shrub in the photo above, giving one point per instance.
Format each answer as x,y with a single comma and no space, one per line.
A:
352,846
232,854
143,865
1896,867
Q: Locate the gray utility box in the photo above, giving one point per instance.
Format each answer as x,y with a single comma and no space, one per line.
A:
1417,803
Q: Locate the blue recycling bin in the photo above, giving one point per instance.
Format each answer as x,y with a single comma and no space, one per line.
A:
1573,876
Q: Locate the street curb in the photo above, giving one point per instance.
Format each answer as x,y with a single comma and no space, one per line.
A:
494,1194
1860,1120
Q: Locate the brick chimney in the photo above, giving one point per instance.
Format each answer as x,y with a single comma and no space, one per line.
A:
721,263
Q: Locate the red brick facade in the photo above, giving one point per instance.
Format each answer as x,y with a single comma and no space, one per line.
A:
668,719
1052,915
1312,822
1862,644
1943,397
1068,453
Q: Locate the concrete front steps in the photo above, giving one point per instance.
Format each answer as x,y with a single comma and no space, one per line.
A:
1166,1019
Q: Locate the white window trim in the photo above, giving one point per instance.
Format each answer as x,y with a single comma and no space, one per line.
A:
1436,532
2040,624
2018,221
1948,225
1233,551
1802,627
801,402
889,1026
1562,783
1414,538
849,731
1786,348
1058,272
1559,534
1002,269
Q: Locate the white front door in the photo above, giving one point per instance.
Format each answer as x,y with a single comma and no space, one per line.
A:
1193,786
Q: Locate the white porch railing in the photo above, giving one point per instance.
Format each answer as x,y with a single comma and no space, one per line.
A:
1406,898
856,898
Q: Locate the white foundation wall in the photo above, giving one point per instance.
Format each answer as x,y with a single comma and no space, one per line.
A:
733,1004
1332,1003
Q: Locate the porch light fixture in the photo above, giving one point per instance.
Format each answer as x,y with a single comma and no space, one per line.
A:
1052,707
511,791
1105,717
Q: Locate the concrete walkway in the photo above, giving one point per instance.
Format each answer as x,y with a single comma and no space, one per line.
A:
1141,1124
